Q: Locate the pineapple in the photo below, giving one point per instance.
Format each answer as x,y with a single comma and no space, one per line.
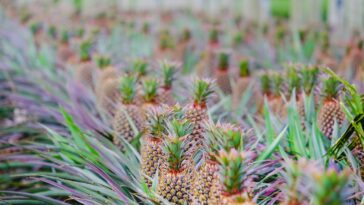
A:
86,69
222,72
175,180
330,110
165,92
151,151
108,95
196,112
232,179
358,153
206,177
166,46
241,84
128,114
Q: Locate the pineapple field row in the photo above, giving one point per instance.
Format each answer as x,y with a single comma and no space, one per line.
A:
180,106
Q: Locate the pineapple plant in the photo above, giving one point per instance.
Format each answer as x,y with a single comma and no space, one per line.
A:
166,92
166,46
233,191
151,150
176,175
85,70
330,110
128,120
222,72
241,83
196,112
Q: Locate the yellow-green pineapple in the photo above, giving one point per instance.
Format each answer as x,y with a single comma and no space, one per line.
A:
330,110
196,112
152,143
128,121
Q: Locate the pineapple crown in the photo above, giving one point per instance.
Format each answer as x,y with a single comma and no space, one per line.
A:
238,38
277,84
85,50
294,81
156,121
150,87
214,35
232,171
146,27
52,31
102,61
35,27
65,36
175,144
244,68
309,78
223,61
140,67
80,32
331,88
265,83
186,34
233,137
329,186
128,88
203,88
169,70
166,40
222,137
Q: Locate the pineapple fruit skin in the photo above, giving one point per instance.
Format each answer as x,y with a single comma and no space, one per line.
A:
165,96
330,112
238,199
151,157
175,187
358,152
108,96
121,125
223,80
196,115
85,74
205,178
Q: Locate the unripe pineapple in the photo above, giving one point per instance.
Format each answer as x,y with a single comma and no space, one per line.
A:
241,84
175,180
206,177
128,121
109,95
222,72
151,151
86,69
196,112
232,179
330,110
165,92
